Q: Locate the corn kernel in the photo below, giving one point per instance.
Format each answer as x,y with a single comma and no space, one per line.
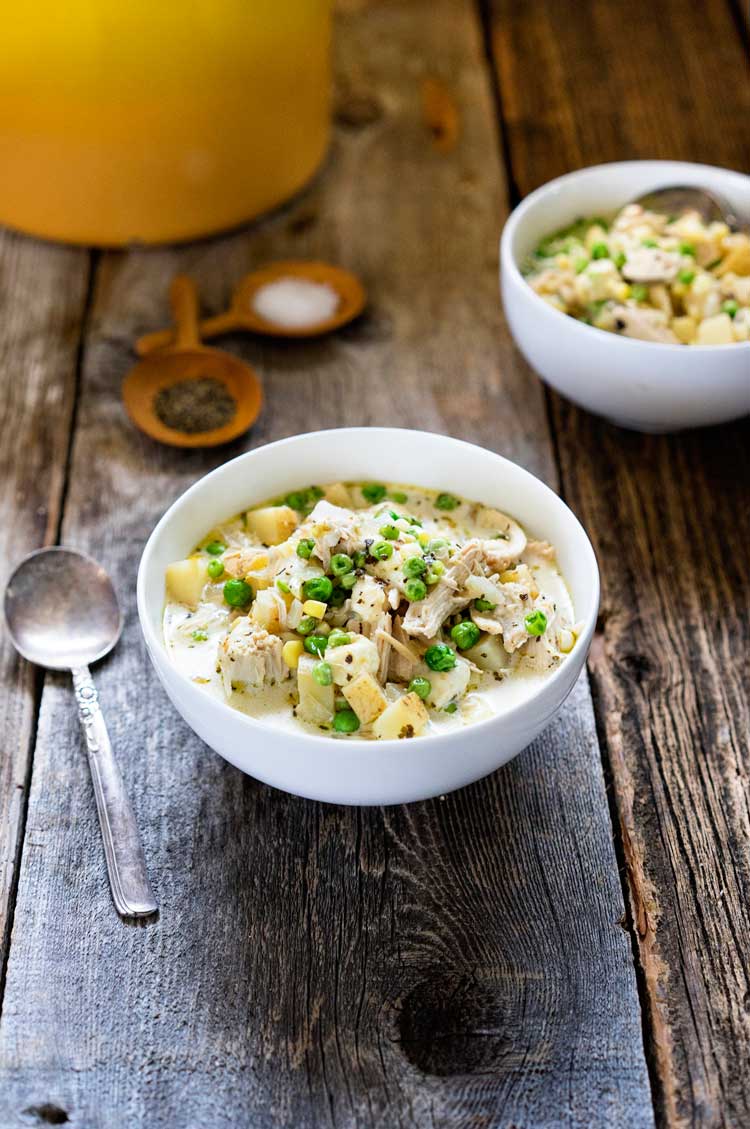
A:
508,576
316,608
566,641
424,539
291,652
257,563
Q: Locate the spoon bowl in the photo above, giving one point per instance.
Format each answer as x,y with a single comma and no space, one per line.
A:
242,314
62,613
48,621
185,358
678,198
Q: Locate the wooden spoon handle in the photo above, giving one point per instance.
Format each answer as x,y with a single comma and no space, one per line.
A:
163,338
183,297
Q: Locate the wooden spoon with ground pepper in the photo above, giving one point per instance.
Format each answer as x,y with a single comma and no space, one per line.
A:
189,395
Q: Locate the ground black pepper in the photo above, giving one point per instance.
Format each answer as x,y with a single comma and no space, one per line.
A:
192,406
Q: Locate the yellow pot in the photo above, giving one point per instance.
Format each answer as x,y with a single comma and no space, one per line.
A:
135,120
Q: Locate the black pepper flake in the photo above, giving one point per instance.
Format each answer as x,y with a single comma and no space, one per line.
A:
192,406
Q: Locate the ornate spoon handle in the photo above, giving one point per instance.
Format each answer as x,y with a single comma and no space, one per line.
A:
126,864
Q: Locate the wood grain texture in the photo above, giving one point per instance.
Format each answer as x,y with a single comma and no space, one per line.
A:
42,299
671,524
454,963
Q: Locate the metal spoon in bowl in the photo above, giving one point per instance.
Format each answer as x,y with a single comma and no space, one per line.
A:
673,200
62,613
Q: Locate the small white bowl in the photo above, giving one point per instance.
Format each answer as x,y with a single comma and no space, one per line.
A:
637,384
366,772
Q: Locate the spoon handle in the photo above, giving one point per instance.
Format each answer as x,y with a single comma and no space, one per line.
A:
126,864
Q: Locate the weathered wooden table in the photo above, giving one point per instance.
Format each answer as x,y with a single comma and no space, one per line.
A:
564,943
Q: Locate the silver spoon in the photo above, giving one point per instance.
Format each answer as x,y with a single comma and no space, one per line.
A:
62,613
676,199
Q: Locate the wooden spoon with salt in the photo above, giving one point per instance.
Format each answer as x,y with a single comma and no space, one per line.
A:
321,281
185,360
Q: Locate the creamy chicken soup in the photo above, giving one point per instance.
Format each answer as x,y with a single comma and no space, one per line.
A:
655,277
369,610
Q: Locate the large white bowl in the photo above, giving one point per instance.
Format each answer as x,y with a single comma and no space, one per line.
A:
366,772
638,384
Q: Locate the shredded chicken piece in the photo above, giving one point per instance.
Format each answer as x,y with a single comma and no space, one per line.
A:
329,527
642,323
651,264
425,617
251,655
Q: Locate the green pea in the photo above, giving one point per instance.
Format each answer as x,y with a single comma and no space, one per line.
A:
373,492
649,243
382,551
346,721
341,563
338,638
465,634
215,547
317,588
730,307
432,575
297,500
338,596
639,292
316,644
484,605
686,276
200,636
421,687
390,532
359,559
415,589
620,259
446,502
438,547
305,548
687,249
440,657
415,566
237,593
307,625
215,569
399,496
322,673
536,623
348,580
600,251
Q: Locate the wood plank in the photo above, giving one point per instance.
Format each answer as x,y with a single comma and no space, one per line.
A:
670,522
454,962
42,299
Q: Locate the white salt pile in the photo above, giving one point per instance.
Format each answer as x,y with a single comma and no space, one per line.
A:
295,303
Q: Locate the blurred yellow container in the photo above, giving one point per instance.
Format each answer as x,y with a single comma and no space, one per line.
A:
144,121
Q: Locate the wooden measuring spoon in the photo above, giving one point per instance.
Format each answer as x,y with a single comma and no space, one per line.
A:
242,314
187,359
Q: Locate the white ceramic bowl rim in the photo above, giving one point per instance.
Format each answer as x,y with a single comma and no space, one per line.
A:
154,641
669,169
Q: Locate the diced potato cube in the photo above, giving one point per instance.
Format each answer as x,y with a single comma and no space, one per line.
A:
366,697
316,702
292,652
737,261
316,608
338,495
488,654
272,524
448,685
684,328
352,659
406,717
185,580
715,331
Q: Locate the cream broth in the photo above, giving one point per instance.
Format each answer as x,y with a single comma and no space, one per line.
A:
453,548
